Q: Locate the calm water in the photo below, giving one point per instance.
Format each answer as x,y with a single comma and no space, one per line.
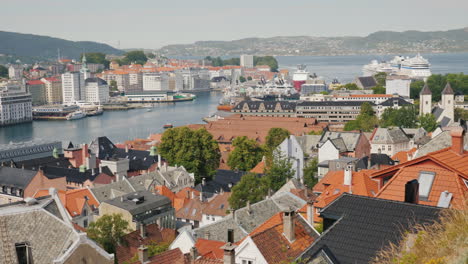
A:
346,68
123,125
117,125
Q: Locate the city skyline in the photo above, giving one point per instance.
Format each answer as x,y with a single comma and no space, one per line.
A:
153,24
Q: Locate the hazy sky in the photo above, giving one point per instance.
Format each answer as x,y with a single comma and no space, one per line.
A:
155,23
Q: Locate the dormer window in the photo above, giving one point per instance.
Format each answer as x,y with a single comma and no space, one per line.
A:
426,178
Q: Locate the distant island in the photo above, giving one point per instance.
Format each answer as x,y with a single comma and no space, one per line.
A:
382,42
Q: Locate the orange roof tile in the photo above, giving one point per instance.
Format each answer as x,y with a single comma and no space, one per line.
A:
210,248
259,168
219,205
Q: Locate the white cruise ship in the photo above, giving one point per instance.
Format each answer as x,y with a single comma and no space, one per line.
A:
416,67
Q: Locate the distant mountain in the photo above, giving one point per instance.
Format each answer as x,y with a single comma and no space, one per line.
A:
45,48
382,42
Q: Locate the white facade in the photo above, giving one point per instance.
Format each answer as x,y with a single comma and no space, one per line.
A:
15,72
291,149
73,87
400,86
97,91
448,104
247,61
328,151
155,82
184,241
15,104
209,219
248,253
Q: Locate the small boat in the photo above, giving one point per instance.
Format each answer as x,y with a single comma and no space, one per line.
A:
149,110
76,115
96,112
166,126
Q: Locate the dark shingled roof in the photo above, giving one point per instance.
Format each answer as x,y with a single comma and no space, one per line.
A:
400,101
368,82
147,201
269,105
71,174
448,89
95,79
13,177
363,226
221,181
425,90
334,103
33,164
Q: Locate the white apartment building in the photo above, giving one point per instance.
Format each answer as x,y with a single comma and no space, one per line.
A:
121,78
155,82
53,88
15,72
247,61
97,91
398,84
73,87
15,104
135,81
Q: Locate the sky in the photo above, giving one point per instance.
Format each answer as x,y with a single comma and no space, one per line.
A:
152,24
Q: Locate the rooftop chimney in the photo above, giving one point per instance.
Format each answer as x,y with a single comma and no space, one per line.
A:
143,254
248,207
310,212
126,148
289,225
159,161
457,140
203,181
348,175
412,191
142,230
229,249
193,254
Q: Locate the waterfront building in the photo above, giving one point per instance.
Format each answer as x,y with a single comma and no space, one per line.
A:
57,110
193,80
247,61
121,78
97,91
15,72
72,87
266,108
155,82
53,90
15,152
15,104
398,84
313,87
135,80
37,90
150,96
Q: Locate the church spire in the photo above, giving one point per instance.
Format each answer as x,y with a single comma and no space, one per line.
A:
448,89
425,90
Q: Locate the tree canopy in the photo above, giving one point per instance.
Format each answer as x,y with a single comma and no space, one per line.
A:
365,121
3,71
310,173
350,86
379,89
108,231
135,56
275,136
279,172
251,188
218,61
461,113
196,150
428,122
246,154
437,82
406,117
381,78
96,57
267,60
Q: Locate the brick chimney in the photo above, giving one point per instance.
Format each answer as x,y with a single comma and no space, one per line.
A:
143,254
193,254
289,225
457,140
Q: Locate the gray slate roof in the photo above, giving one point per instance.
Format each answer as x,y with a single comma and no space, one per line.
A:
350,139
146,201
448,89
308,143
390,135
425,90
364,225
246,221
112,190
18,178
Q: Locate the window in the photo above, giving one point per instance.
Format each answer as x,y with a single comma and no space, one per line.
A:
23,252
244,261
85,223
426,178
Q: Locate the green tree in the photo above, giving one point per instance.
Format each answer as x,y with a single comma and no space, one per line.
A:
428,122
96,57
3,71
350,86
405,117
196,150
381,77
246,154
242,79
108,231
113,86
415,89
249,78
275,136
365,121
279,172
136,56
317,133
267,60
150,55
461,113
155,248
310,173
250,188
379,89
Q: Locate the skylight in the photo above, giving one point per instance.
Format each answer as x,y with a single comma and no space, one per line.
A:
426,178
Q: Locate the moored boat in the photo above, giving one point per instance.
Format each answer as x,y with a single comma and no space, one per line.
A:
76,115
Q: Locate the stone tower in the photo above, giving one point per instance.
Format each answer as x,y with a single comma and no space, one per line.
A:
447,103
425,100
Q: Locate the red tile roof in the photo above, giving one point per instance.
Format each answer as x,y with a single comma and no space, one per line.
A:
34,82
210,248
259,168
219,205
275,247
133,241
451,172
